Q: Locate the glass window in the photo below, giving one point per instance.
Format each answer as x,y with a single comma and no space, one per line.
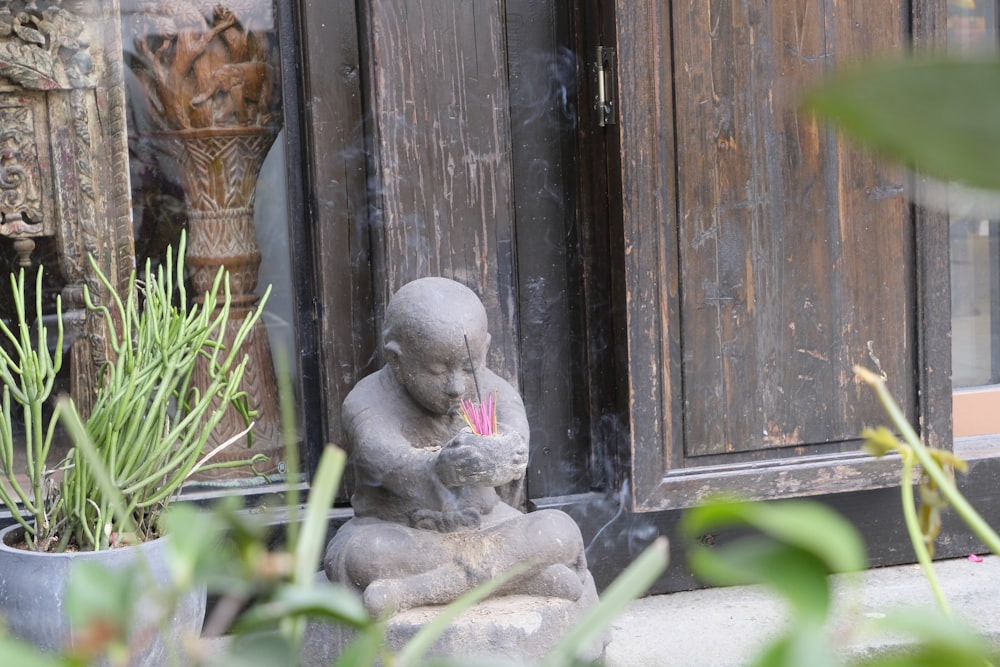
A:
975,262
207,156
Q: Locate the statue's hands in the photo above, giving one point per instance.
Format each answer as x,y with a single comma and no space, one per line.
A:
482,460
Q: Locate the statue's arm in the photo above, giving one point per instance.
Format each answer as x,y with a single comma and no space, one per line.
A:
381,456
379,451
511,415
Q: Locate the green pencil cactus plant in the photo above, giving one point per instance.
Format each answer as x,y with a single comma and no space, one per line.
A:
151,417
28,371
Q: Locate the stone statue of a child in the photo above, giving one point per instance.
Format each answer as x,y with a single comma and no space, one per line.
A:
429,524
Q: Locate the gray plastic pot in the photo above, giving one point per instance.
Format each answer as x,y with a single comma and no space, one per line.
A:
32,587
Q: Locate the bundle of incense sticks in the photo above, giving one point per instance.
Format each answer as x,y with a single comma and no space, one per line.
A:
482,418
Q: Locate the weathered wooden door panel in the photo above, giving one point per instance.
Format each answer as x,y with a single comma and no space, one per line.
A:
778,258
469,124
793,247
440,144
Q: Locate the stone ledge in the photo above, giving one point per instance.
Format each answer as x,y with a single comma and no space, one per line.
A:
727,627
518,627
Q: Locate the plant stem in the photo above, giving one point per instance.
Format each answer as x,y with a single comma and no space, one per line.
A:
917,536
87,451
946,485
629,585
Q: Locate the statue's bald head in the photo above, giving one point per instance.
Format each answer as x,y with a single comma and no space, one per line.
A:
435,311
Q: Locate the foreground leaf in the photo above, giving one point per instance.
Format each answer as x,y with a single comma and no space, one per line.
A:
936,640
804,645
13,651
365,648
265,649
629,585
329,602
96,594
794,545
806,524
939,117
799,576
312,540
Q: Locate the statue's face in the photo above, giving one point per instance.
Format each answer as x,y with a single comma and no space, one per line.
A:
437,373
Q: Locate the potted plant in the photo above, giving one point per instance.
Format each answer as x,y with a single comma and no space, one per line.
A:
129,457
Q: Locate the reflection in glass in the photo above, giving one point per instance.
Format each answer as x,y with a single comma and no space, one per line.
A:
205,103
975,242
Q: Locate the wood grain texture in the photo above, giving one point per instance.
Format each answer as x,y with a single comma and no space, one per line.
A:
648,293
784,256
796,249
440,150
410,113
91,195
929,29
543,78
334,133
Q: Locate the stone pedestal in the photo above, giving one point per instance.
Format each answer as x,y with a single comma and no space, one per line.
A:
520,628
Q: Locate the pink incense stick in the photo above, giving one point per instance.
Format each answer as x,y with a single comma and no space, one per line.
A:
482,418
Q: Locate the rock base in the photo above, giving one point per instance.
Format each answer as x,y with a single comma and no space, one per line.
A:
520,628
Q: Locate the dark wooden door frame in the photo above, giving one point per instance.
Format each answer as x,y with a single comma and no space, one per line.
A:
336,248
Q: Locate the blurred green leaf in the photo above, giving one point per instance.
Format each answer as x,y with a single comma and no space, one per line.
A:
627,586
799,576
243,528
937,640
234,566
312,539
793,547
97,594
13,651
879,441
806,524
262,649
309,545
939,117
365,648
194,543
802,645
328,601
946,458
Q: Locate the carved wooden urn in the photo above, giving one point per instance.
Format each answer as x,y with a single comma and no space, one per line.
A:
209,71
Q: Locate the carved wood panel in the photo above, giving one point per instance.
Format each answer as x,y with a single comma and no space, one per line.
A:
25,170
63,151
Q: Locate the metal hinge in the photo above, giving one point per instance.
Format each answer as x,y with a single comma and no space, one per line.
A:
604,81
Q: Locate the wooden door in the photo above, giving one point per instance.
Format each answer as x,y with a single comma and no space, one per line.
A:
440,137
763,256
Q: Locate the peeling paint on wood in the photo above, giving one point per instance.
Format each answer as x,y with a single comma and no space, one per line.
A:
441,127
790,250
790,205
